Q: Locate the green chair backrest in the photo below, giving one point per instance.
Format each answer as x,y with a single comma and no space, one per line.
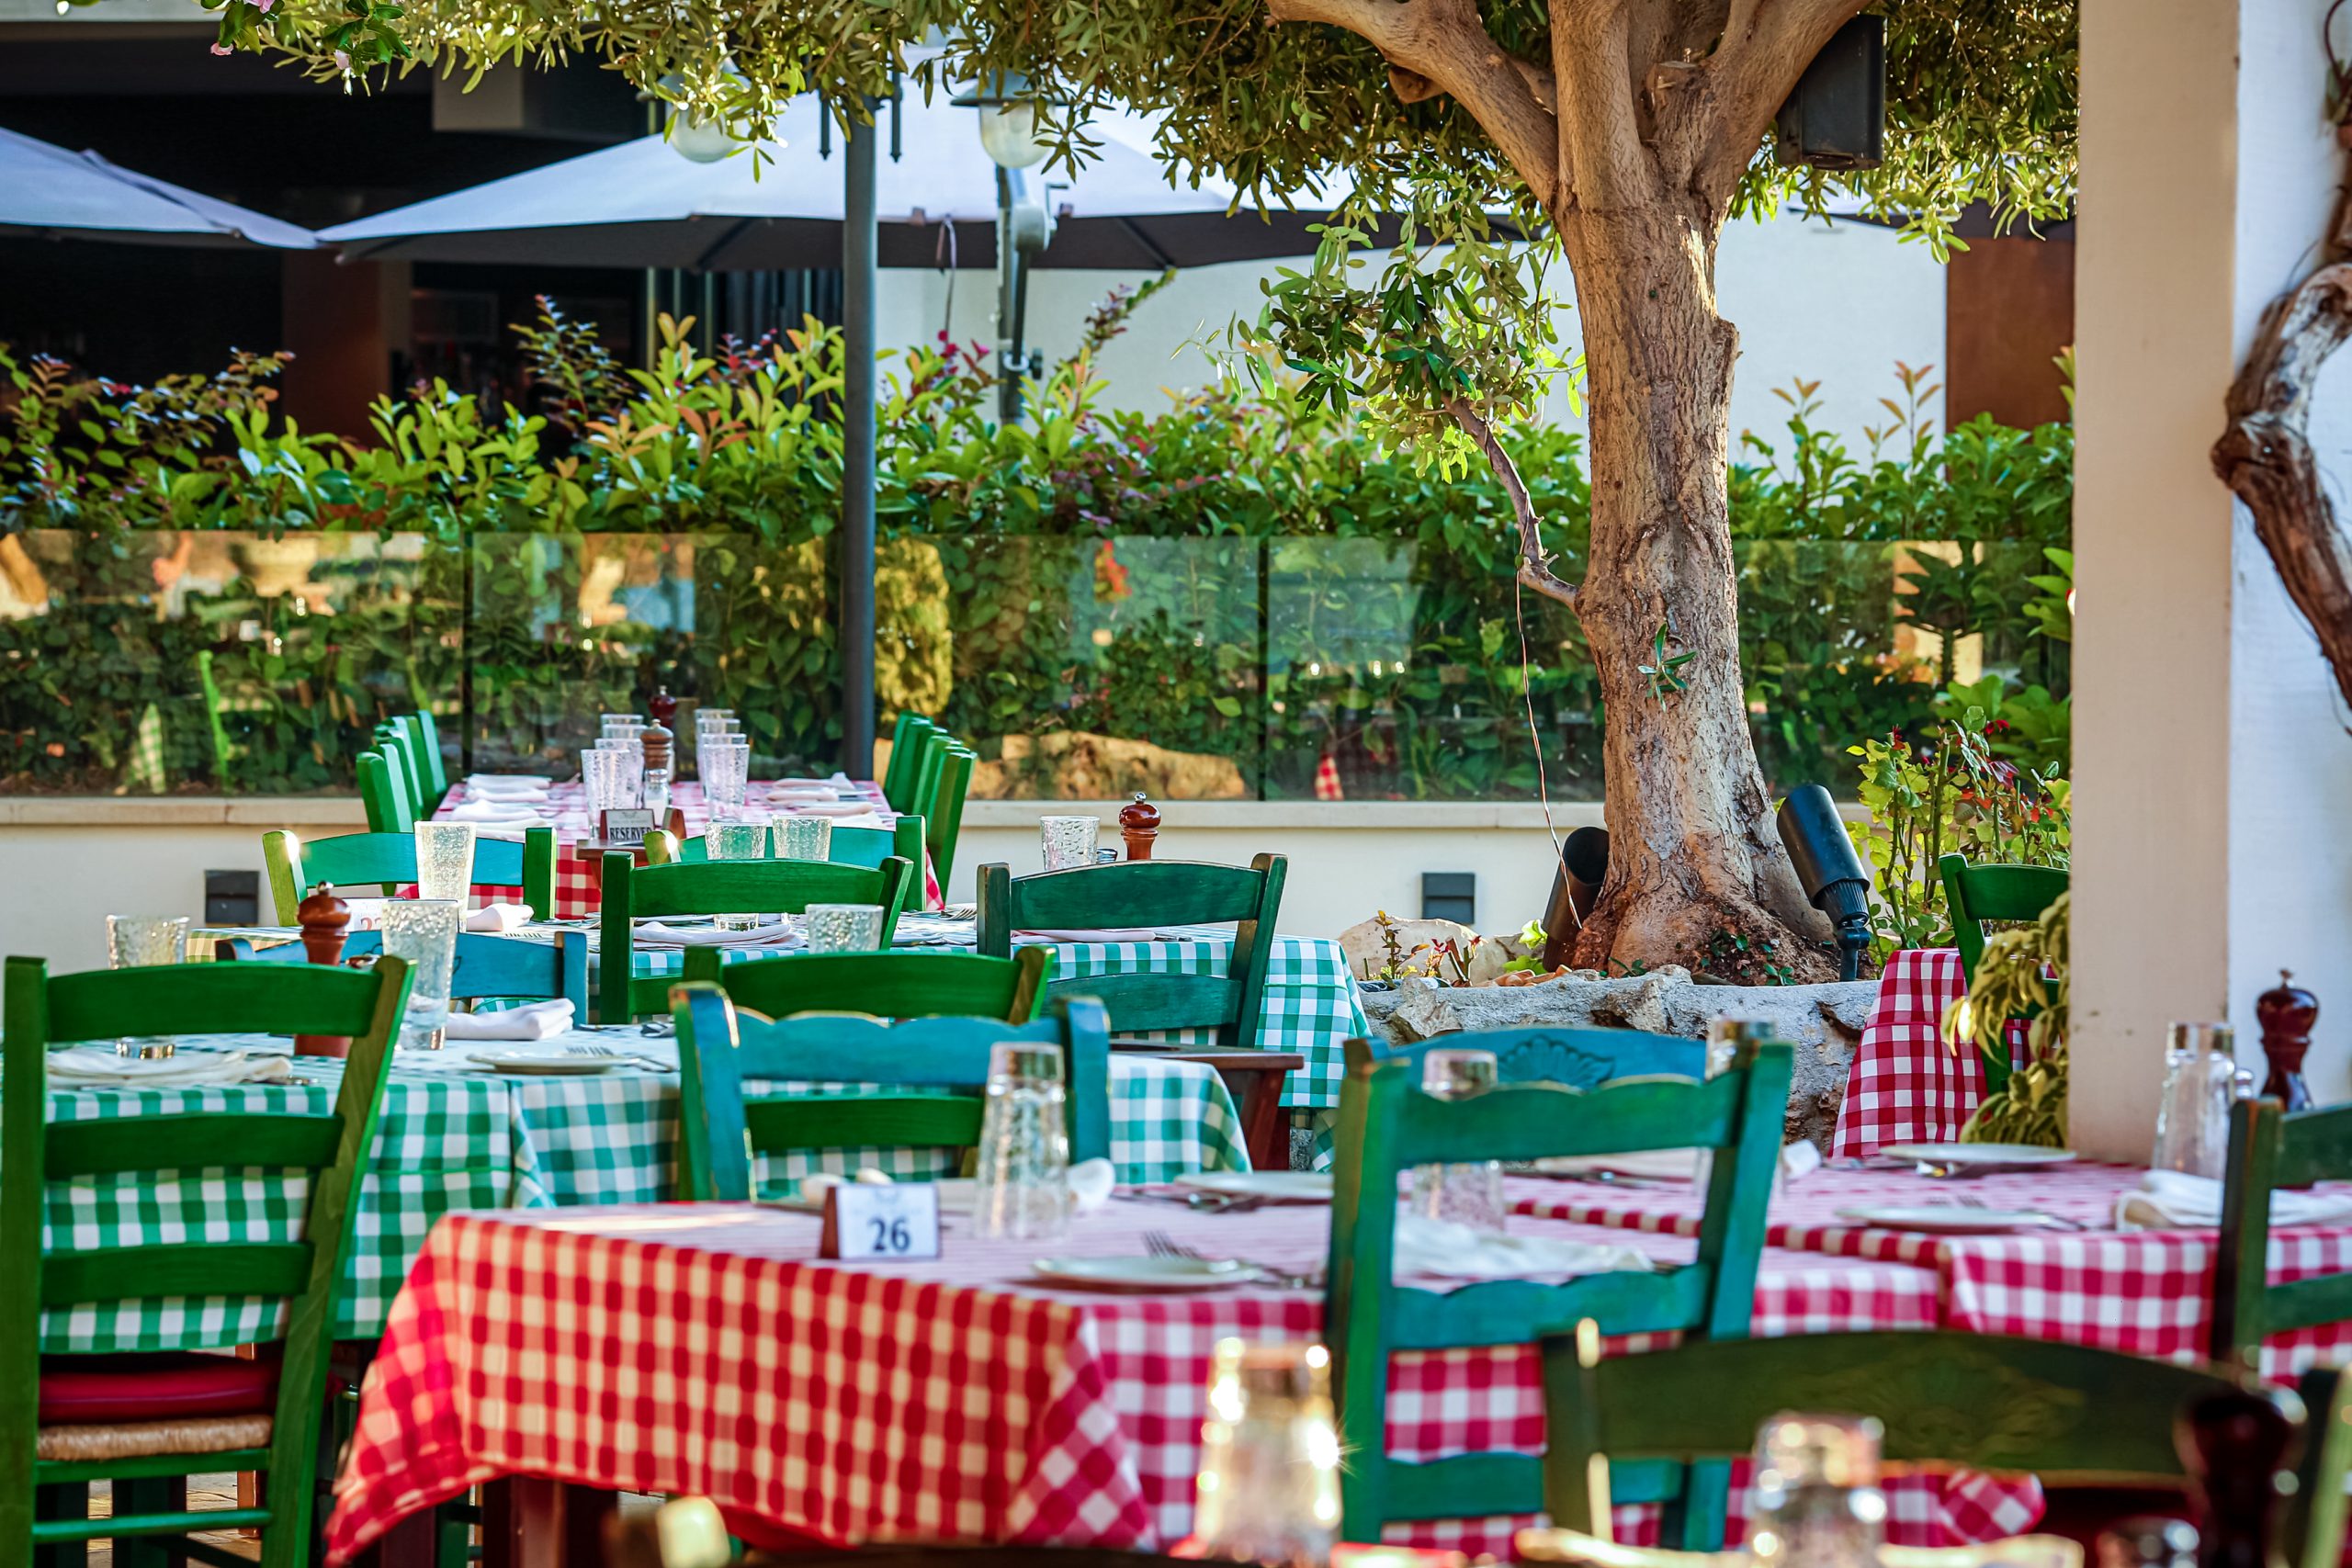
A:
908,743
512,968
399,747
354,860
944,810
1975,893
632,892
910,983
2059,1411
1580,1059
2313,1524
383,792
2269,1149
1387,1126
425,741
1156,893
851,846
186,999
945,1059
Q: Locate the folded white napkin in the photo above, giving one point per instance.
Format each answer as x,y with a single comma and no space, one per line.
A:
868,820
1425,1245
534,1021
531,797
654,934
2174,1199
499,919
838,809
492,811
97,1066
507,784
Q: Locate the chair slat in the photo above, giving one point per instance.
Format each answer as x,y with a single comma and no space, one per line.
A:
1579,1058
209,999
1149,1002
193,1268
901,985
1137,893
1512,1311
197,1140
1528,1122
896,1120
1465,1486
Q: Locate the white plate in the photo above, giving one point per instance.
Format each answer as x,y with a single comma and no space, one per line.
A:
1143,1273
1976,1154
1273,1186
551,1066
1948,1219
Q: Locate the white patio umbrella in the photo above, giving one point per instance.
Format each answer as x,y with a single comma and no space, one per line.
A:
47,191
641,204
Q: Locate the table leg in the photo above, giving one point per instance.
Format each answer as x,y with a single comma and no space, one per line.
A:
412,1543
528,1522
1255,1079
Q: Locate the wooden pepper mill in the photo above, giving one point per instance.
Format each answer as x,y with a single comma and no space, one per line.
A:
327,921
1140,825
2235,1446
2286,1013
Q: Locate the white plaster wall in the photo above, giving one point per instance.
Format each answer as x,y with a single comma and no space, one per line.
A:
1831,301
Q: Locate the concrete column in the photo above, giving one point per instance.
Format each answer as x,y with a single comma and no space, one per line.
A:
2212,772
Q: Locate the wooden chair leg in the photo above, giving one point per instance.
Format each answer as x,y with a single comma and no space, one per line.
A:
149,1495
1255,1079
62,1500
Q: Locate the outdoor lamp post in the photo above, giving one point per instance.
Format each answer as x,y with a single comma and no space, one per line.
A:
1024,226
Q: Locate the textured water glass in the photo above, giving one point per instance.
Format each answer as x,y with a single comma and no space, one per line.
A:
140,941
444,860
621,723
600,778
1817,1502
2193,1116
1069,841
744,838
1023,1191
843,927
630,791
1466,1194
1268,1489
725,768
804,837
425,932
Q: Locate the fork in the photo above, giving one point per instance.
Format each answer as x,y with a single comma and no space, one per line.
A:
604,1050
2050,1221
1159,1244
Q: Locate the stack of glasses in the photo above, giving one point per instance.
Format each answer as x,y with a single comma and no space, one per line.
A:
612,771
723,757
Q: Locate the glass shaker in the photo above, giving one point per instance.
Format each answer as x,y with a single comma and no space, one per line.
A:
1269,1484
1022,1192
1466,1194
2200,1082
1817,1502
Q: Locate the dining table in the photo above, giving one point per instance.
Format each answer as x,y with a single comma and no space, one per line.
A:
1906,1084
482,1127
706,1348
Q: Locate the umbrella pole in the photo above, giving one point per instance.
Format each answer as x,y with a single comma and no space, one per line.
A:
858,278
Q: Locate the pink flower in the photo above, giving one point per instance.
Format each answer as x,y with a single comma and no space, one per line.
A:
222,48
342,61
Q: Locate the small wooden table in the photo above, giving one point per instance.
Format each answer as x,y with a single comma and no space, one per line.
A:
1255,1079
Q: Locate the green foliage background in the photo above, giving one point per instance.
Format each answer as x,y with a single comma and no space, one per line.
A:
1241,575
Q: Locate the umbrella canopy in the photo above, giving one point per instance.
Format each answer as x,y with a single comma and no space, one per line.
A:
59,195
641,204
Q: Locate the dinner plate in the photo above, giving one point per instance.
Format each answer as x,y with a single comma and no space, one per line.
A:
1948,1219
549,1066
1976,1154
1144,1273
1269,1185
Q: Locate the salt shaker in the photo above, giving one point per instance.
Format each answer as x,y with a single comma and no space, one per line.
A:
2201,1085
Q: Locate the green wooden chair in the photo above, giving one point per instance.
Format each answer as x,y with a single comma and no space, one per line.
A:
48,1458
425,741
910,983
906,748
510,968
393,740
1976,894
1152,892
1387,1126
939,1065
2065,1412
354,860
851,846
944,810
383,791
2270,1148
1580,1059
632,892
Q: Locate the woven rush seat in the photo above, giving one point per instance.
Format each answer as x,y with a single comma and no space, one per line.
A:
134,1440
126,1406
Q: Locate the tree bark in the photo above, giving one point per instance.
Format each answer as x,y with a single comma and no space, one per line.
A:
1694,852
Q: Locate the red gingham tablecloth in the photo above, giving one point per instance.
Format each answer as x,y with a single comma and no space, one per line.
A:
699,1348
2149,1293
567,810
1906,1086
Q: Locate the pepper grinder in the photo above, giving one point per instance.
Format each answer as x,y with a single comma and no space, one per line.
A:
2286,1013
1140,825
325,921
658,740
662,707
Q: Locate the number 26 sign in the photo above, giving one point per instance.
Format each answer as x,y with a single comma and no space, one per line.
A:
866,1221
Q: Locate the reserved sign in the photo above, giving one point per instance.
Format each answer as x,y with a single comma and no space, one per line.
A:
869,1220
625,827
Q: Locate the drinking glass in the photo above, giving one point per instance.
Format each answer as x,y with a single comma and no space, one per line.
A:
425,932
804,837
1023,1191
1269,1484
744,838
1466,1194
725,768
600,778
843,927
2200,1082
136,941
1069,841
1816,1498
444,860
621,723
630,792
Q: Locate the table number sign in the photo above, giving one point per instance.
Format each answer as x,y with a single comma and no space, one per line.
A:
869,1221
625,826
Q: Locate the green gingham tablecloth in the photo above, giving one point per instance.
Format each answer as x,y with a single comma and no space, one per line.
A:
450,1139
1309,1005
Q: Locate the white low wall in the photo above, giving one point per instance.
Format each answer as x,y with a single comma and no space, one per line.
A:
65,865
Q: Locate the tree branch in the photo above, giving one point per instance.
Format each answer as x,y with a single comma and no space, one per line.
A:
2266,457
1766,46
1534,562
1441,46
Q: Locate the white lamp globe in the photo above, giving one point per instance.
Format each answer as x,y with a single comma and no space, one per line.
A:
699,140
1009,129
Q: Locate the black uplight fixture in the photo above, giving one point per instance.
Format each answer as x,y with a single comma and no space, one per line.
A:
1830,871
1010,123
1836,119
